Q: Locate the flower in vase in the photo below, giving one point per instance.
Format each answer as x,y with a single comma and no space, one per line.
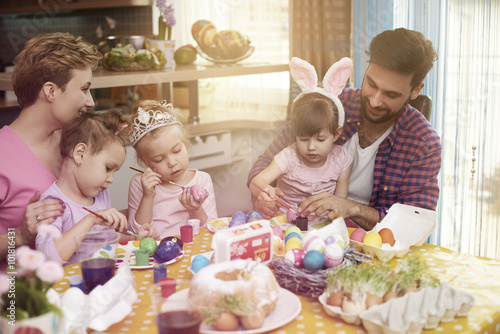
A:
26,286
166,20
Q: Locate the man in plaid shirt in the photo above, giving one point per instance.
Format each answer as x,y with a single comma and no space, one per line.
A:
397,153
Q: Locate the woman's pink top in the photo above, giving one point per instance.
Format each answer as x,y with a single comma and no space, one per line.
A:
299,181
168,213
21,176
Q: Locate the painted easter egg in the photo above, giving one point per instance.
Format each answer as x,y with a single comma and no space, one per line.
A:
240,214
231,44
255,213
293,243
313,243
277,231
293,229
358,234
237,222
166,251
335,238
387,236
199,262
314,260
372,238
204,32
295,256
293,235
334,255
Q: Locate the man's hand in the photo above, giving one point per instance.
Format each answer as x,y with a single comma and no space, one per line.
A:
323,202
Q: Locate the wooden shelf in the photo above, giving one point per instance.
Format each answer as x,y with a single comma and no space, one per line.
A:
102,78
73,5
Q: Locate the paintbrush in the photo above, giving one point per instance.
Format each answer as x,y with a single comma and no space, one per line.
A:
175,184
98,215
283,204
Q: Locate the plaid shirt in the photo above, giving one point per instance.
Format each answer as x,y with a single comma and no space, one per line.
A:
407,162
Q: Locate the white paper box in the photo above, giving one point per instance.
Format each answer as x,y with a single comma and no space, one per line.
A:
410,225
248,241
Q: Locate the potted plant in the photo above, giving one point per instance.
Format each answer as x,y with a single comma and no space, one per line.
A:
165,23
25,302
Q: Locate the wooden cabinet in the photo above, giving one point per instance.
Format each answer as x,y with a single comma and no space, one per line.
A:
11,6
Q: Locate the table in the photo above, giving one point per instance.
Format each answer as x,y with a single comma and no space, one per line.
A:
478,276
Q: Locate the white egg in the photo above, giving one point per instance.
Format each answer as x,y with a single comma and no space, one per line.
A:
73,300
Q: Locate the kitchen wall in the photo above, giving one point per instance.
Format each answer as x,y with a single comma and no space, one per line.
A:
16,29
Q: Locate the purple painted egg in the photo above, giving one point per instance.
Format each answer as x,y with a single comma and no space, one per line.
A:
166,251
237,222
240,214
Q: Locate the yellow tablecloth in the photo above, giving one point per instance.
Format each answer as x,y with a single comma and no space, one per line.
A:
478,276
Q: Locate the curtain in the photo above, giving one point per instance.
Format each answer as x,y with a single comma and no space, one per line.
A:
320,34
370,17
470,220
465,87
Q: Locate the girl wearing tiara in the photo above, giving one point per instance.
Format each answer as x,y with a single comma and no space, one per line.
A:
168,193
92,152
312,163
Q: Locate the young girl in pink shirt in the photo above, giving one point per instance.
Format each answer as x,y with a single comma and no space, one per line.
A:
312,163
161,146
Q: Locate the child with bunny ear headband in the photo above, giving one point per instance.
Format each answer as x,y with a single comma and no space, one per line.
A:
312,163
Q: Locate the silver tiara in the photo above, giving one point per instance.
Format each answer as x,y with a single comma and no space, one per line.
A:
148,120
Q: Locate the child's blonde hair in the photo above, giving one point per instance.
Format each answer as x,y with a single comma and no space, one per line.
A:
311,113
95,130
162,107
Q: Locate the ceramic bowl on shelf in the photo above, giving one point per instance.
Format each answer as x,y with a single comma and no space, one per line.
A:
219,60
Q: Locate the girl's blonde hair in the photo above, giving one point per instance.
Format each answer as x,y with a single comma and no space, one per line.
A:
177,128
95,130
311,113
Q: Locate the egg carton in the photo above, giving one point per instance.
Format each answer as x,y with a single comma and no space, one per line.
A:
417,311
410,225
410,314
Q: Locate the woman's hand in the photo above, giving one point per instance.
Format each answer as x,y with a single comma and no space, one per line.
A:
37,212
114,219
149,181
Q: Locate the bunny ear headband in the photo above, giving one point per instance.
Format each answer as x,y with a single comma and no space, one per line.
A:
334,81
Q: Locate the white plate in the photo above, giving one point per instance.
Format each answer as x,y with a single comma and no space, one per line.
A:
287,308
125,254
219,224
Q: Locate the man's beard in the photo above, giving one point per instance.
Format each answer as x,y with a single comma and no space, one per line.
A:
387,112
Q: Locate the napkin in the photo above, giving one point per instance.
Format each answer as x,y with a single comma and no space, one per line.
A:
105,305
